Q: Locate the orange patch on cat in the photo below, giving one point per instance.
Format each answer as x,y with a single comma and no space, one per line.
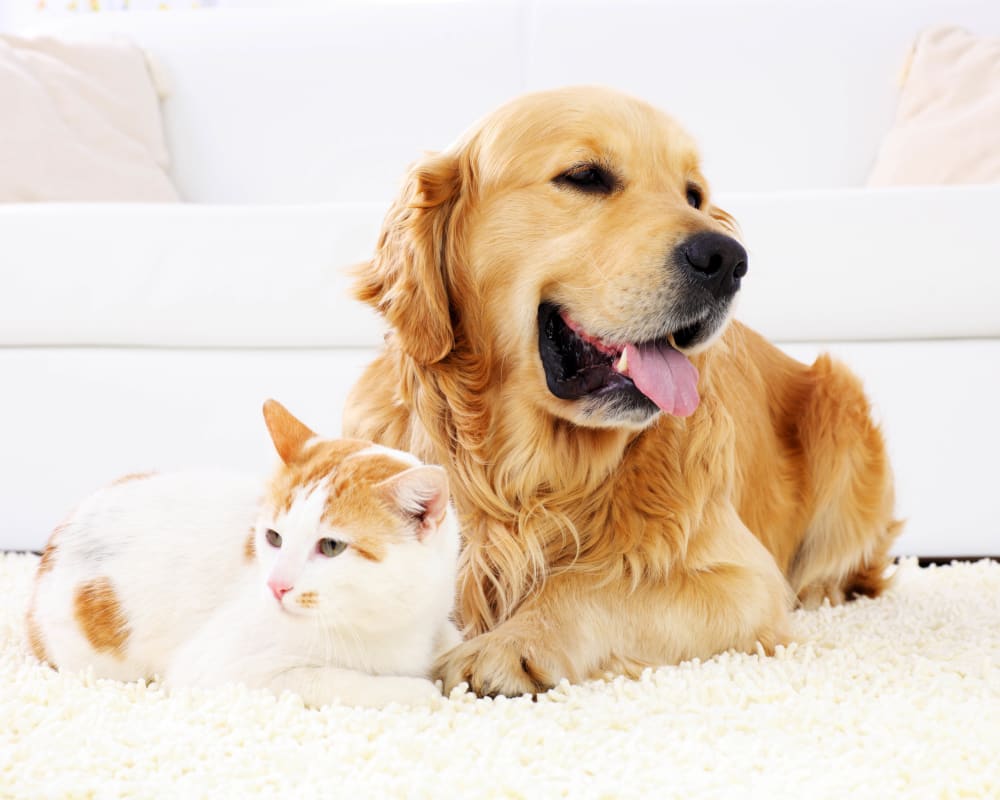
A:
45,564
49,553
35,639
132,476
371,469
356,504
48,560
323,458
367,553
308,600
250,547
100,616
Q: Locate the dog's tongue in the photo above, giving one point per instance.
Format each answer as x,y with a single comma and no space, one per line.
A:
665,376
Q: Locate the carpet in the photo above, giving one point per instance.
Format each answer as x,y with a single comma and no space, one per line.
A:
893,698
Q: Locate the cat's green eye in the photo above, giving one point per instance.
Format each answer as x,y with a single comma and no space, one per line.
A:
273,538
331,547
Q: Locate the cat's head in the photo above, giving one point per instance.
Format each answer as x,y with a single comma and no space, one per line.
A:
358,535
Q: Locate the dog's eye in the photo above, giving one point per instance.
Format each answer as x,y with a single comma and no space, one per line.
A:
694,196
589,178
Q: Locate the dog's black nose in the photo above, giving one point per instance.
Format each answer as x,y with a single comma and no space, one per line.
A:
716,261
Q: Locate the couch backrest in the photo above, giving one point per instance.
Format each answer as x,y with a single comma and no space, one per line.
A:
285,106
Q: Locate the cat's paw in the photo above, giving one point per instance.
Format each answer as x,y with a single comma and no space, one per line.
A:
414,692
498,663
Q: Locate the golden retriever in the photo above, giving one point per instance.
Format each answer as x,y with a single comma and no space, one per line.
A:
641,481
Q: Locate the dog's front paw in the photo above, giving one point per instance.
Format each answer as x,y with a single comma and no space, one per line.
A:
499,663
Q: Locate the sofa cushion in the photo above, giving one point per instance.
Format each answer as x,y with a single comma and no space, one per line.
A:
81,122
947,127
293,105
838,265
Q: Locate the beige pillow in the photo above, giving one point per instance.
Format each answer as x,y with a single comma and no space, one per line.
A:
79,121
947,127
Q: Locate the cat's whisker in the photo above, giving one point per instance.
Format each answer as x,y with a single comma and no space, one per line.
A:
343,640
360,649
315,644
355,646
324,634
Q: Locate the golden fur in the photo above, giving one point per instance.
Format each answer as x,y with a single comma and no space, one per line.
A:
593,545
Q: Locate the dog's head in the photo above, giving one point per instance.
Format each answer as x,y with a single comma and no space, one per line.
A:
569,240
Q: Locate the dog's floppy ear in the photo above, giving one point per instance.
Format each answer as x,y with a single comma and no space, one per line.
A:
406,281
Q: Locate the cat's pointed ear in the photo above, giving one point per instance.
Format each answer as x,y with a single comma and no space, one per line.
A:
288,434
420,493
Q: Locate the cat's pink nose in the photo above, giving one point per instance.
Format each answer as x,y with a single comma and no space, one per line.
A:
278,588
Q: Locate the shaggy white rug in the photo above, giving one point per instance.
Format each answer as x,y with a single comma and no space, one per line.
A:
893,698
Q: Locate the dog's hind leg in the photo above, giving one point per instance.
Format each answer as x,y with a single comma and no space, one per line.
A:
845,550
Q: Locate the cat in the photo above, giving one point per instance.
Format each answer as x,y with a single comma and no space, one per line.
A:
335,580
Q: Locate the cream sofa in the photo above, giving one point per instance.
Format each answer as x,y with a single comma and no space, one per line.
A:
147,336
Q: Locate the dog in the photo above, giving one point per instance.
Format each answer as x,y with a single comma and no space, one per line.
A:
641,480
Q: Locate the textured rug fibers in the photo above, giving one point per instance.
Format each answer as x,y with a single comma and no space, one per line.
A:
893,698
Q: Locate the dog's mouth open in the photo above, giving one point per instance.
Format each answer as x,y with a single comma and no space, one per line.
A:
578,365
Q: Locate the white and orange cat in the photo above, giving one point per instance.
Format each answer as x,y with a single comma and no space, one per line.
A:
335,581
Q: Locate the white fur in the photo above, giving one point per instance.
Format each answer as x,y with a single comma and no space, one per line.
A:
200,614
